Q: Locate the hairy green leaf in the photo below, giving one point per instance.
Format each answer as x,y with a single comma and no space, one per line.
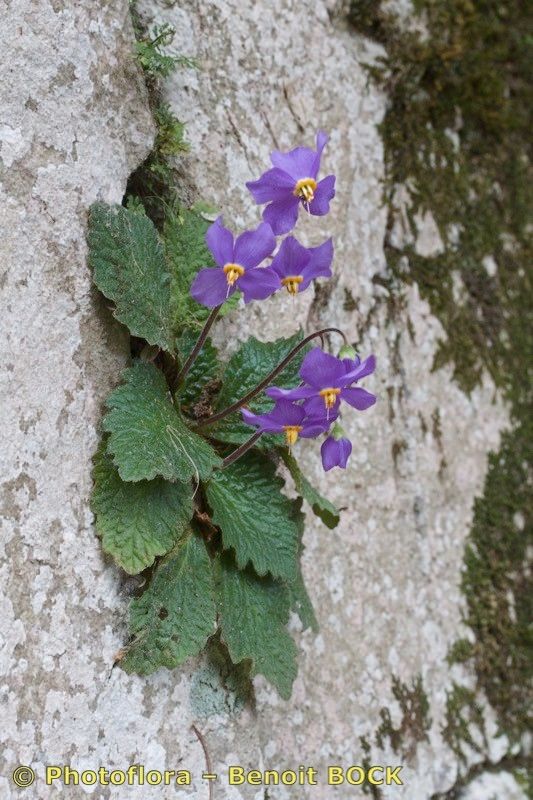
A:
137,521
204,371
327,512
245,369
299,599
148,438
254,516
301,603
253,614
129,268
176,615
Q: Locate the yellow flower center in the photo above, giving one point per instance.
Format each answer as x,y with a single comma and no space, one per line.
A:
232,272
330,396
292,283
291,432
305,189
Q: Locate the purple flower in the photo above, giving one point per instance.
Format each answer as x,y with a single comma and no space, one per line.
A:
292,181
288,418
335,452
237,266
350,358
327,380
297,265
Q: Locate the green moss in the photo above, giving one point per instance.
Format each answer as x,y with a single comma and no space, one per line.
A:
466,84
152,53
463,717
368,788
461,651
524,779
457,134
153,183
414,723
497,582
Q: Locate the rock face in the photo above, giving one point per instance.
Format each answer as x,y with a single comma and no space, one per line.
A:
74,123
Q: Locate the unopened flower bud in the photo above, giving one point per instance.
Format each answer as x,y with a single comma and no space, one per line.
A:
338,432
347,351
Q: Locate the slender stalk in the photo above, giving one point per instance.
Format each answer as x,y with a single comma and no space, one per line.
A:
207,759
270,377
197,347
240,451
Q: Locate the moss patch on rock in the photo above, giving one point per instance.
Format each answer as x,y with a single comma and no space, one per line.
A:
457,137
153,183
414,724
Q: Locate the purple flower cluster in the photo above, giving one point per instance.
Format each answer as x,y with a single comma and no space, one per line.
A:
291,183
314,407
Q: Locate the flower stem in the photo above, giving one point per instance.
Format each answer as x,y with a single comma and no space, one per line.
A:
206,755
240,451
270,377
197,347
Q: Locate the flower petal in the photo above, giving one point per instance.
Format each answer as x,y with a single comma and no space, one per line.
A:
300,393
355,371
272,185
283,413
358,398
314,428
258,283
298,163
315,407
291,258
288,413
335,453
367,367
220,241
321,141
319,265
350,364
324,192
282,214
321,370
210,287
252,247
262,421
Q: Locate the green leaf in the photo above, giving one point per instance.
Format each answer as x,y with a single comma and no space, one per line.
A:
300,601
137,521
253,614
176,615
129,268
327,512
245,369
254,516
148,436
203,373
187,253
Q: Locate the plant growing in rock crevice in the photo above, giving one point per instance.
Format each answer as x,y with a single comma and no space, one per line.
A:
185,491
153,181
